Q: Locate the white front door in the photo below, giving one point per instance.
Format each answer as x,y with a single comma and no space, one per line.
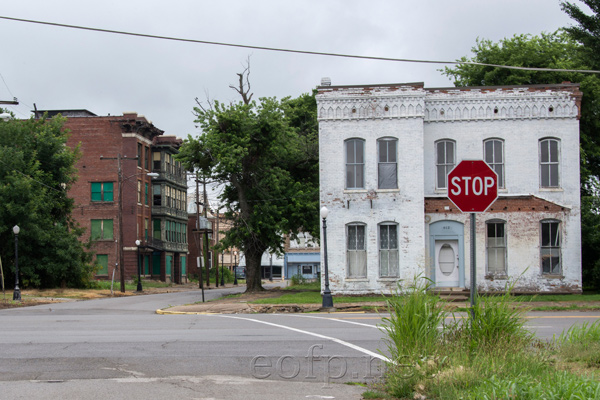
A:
446,263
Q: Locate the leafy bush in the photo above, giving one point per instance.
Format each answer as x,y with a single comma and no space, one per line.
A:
298,279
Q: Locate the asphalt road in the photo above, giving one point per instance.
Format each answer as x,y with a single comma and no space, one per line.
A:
120,348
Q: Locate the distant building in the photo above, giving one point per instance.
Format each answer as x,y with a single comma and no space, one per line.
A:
117,199
389,216
302,257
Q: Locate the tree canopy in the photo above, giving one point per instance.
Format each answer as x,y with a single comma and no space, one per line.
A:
36,170
558,50
265,154
554,50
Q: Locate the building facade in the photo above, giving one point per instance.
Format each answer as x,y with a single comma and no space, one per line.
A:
389,216
302,257
121,192
168,242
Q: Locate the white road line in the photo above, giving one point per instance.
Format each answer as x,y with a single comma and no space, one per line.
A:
334,319
339,341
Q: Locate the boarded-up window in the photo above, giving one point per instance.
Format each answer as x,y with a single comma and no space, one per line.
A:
102,260
102,229
102,191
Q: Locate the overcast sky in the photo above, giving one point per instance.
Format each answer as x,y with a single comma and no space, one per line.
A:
59,68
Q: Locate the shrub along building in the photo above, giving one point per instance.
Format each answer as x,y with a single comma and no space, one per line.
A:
129,189
389,216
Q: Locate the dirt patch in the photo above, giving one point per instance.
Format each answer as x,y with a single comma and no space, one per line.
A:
34,297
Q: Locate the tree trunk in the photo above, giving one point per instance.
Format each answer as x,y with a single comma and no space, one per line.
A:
253,273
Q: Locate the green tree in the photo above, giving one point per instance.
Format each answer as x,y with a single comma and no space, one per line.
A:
36,170
265,154
587,32
556,50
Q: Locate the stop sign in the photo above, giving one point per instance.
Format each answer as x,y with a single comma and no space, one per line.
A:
472,186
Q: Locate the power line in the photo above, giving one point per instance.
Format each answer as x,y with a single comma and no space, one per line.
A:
307,52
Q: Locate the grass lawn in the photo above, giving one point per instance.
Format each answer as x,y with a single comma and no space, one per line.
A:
315,298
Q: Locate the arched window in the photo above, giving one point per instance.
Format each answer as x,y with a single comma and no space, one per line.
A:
493,154
550,247
387,163
445,160
355,163
388,250
356,251
549,163
496,247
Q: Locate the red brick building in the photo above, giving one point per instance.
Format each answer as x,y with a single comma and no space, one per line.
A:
129,188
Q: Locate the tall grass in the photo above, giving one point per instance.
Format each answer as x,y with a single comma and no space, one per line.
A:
581,343
497,319
414,332
415,315
492,356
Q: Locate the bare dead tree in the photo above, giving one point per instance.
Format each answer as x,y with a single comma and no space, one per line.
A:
243,87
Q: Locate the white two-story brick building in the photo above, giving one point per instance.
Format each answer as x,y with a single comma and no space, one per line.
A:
385,152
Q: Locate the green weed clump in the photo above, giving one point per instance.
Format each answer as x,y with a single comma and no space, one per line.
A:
488,354
581,343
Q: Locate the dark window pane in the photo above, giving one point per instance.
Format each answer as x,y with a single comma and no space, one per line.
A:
489,152
441,153
449,153
387,178
544,151
359,151
350,152
553,175
498,151
553,151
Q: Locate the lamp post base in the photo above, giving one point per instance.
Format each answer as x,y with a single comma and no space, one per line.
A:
139,286
17,294
327,300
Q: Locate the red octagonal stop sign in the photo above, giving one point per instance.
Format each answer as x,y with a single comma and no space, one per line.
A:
472,186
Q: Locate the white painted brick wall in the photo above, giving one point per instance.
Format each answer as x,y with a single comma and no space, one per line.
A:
418,118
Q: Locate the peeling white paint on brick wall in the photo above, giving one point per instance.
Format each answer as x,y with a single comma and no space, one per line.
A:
419,117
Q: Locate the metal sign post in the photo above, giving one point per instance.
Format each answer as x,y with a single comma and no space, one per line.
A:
473,187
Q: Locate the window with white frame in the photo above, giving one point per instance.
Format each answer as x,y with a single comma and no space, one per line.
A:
355,163
387,163
356,252
549,163
550,247
493,154
445,160
496,247
388,250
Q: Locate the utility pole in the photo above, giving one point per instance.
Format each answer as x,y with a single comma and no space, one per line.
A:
200,280
119,264
206,236
215,254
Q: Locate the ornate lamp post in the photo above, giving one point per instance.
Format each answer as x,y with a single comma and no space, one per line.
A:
17,292
235,282
327,299
139,285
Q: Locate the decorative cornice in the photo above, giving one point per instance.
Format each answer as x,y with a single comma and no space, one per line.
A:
448,105
501,104
380,103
